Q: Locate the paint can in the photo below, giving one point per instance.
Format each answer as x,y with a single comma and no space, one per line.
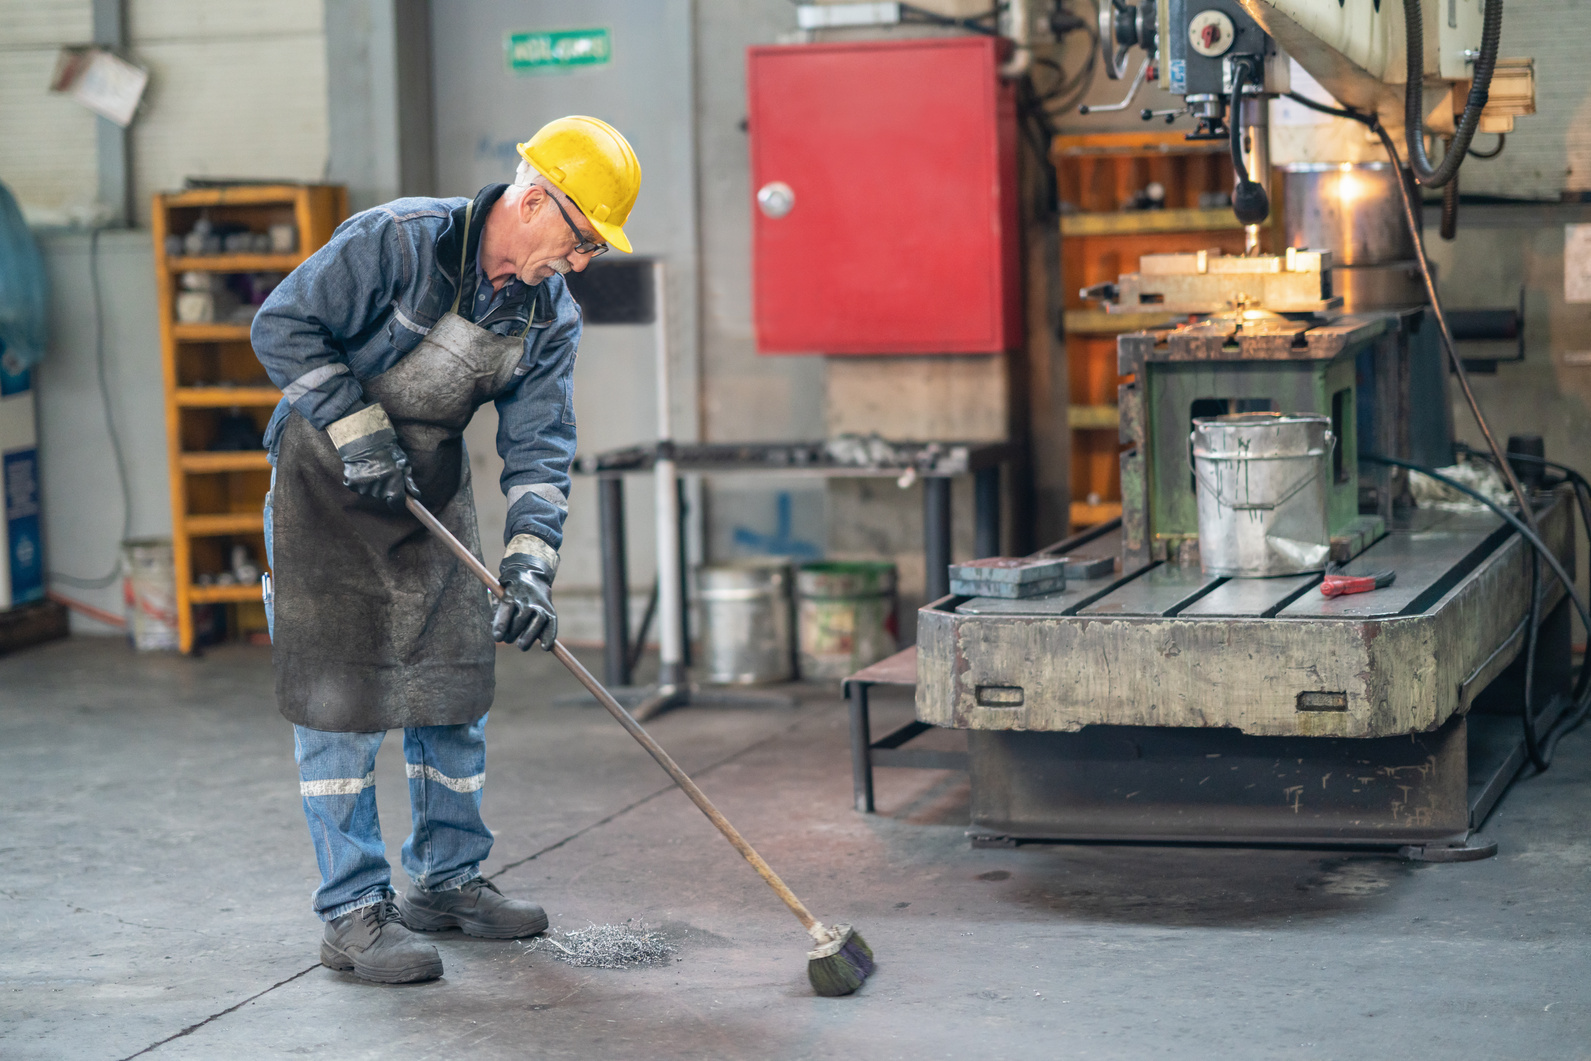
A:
149,590
745,616
846,612
1262,482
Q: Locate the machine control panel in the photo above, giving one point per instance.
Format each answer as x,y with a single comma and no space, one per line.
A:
1211,32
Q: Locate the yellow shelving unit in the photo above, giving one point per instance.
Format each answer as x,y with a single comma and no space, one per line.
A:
211,373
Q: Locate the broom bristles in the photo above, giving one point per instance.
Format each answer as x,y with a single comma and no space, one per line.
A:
840,967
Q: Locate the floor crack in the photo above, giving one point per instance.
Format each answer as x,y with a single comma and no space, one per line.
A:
190,1029
169,928
622,811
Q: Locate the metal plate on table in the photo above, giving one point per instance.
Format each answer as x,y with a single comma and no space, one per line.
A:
1064,602
1430,556
1249,597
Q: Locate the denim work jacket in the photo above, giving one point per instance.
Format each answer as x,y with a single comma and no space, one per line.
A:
367,298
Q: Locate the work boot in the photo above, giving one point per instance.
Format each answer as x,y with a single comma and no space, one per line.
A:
477,907
373,944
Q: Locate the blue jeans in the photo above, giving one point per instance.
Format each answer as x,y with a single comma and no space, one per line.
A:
446,766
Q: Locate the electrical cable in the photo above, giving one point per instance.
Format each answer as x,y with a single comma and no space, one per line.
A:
1412,219
1502,141
97,299
1581,704
1449,226
1249,201
1582,494
1413,93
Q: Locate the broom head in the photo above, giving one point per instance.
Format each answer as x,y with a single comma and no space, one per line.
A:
841,965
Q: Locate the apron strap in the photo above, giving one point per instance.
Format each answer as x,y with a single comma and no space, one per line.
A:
464,256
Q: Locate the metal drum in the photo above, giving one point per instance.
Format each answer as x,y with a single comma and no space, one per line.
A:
847,616
745,611
1262,481
1353,210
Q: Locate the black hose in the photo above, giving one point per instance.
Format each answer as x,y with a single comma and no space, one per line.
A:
1449,227
1414,93
1412,219
1502,141
1582,706
1528,710
1335,112
1249,201
1582,496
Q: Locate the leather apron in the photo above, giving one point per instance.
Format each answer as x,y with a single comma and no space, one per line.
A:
377,625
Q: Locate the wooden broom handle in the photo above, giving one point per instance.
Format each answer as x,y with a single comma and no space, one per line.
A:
642,737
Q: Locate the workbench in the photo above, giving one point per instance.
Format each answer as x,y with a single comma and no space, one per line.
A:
935,463
1160,704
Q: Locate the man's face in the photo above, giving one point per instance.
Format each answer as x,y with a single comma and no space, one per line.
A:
544,242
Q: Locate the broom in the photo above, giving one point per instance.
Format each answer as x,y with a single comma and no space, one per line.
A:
842,960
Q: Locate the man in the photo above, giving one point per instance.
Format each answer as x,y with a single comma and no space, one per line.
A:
384,343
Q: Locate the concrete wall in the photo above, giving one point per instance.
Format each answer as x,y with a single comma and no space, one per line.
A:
236,89
482,110
46,141
83,509
1498,250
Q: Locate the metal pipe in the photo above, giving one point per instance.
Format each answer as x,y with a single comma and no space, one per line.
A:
1256,157
986,505
670,573
861,748
936,535
615,581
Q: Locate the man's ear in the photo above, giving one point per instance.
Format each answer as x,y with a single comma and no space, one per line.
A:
528,203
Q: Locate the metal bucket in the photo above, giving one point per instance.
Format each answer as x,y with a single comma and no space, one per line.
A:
847,616
1262,482
745,611
1351,209
149,590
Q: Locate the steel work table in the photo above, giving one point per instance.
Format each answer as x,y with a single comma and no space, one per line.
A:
1164,705
936,463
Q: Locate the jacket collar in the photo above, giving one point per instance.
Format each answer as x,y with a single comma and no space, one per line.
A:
448,243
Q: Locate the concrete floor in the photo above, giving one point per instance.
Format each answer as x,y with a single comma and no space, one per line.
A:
155,877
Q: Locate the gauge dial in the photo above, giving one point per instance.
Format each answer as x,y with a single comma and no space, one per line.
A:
1211,33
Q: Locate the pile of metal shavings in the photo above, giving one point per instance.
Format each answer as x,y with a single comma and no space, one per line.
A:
607,946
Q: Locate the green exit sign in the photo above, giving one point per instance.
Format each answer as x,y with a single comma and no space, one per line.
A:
533,53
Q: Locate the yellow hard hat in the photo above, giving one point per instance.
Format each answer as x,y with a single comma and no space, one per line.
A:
592,163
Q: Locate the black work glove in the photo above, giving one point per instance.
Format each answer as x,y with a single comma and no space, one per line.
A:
374,464
525,614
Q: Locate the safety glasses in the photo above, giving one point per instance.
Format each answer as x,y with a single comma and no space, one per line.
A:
585,246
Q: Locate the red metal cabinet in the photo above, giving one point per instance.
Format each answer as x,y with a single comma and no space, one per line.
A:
884,198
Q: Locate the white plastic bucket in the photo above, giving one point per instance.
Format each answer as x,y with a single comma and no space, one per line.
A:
149,589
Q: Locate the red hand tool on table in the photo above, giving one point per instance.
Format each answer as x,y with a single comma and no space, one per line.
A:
1337,584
